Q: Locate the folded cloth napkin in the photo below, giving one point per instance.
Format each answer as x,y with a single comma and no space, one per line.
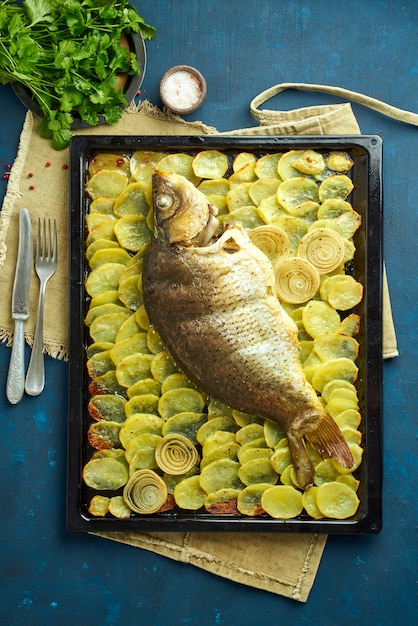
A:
284,564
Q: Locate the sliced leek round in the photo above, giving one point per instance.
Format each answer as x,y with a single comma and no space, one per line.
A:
176,454
271,240
297,280
322,247
145,492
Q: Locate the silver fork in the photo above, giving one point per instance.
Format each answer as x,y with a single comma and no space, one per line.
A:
45,266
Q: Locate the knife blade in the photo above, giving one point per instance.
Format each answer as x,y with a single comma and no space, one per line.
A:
20,309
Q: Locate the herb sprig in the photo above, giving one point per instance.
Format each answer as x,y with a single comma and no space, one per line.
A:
68,54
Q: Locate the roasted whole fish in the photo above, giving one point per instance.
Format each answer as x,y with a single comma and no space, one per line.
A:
213,302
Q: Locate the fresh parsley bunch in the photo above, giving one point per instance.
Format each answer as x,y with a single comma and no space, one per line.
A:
68,54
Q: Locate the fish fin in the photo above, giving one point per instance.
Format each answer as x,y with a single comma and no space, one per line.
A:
304,469
326,438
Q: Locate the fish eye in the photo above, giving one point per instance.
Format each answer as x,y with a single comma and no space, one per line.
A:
164,201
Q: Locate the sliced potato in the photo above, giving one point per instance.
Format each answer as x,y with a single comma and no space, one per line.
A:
256,471
103,309
319,317
93,220
294,227
210,164
338,186
128,329
139,424
333,208
145,385
242,159
132,232
105,384
263,188
133,367
282,502
269,209
214,187
285,167
334,368
179,163
294,191
104,435
351,418
281,459
98,244
273,433
220,423
108,161
336,384
106,182
266,166
309,503
339,162
103,205
222,502
118,508
251,432
109,255
246,216
99,364
163,365
238,196
142,164
99,346
142,403
106,327
104,230
310,162
186,423
337,500
105,474
249,499
342,292
180,400
130,293
132,200
245,174
333,345
104,278
188,494
99,506
350,325
175,381
222,474
228,450
134,344
109,407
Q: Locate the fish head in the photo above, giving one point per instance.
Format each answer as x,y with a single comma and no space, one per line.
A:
182,213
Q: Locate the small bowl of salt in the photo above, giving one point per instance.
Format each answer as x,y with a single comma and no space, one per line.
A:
182,89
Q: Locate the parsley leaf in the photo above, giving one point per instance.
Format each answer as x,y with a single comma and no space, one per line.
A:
67,53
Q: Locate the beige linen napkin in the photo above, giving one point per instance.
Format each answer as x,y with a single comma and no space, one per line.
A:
284,564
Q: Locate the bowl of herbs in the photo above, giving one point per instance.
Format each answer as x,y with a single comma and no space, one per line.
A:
73,63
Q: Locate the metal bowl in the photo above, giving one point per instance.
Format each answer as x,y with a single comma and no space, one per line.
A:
132,86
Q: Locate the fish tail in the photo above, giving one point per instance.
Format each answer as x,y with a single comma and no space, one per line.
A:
323,434
326,438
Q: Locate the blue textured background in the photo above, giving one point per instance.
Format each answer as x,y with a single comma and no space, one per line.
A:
49,575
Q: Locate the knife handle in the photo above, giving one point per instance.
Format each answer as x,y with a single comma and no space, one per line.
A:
16,377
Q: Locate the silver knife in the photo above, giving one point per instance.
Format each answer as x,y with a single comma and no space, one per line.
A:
20,309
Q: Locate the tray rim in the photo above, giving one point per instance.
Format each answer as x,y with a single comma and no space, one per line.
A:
371,522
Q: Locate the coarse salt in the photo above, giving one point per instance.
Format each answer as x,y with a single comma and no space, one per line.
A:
182,90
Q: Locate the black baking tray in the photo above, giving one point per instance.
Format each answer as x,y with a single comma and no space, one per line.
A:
366,198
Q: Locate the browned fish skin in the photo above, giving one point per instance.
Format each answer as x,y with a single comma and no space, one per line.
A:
216,310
